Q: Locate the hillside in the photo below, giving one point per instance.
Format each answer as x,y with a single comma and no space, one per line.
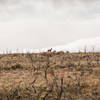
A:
50,76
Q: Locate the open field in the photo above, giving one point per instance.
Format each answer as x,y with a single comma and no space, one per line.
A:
50,76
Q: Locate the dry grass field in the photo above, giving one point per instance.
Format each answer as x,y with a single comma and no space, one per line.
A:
50,76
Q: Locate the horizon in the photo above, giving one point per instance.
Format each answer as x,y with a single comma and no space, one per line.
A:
81,45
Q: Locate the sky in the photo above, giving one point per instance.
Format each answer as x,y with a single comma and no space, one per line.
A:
45,23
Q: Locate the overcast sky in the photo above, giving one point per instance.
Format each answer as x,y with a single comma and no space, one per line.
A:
44,23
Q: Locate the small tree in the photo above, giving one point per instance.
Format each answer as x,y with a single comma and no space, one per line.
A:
47,66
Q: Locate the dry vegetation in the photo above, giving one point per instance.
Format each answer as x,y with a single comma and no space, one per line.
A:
50,76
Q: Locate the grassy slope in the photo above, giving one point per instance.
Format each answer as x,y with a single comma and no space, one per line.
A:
50,76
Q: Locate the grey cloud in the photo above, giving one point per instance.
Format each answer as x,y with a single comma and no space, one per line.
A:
63,9
41,23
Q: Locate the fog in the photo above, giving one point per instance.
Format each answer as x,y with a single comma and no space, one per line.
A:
45,23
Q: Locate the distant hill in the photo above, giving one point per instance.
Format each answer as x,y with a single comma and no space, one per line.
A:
83,45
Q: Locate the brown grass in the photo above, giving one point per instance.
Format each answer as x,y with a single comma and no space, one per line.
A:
50,76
